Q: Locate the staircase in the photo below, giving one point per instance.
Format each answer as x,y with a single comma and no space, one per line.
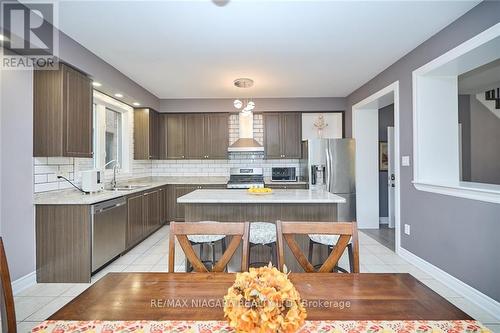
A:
493,95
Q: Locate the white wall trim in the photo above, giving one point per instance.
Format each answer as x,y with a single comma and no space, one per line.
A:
467,192
471,294
24,283
380,97
436,153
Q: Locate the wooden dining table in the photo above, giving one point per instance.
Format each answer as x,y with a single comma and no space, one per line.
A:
198,296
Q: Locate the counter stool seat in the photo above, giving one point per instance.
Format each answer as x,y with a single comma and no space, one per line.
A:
262,233
330,241
210,241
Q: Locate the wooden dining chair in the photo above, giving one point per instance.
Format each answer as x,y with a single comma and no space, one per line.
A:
7,299
347,231
180,230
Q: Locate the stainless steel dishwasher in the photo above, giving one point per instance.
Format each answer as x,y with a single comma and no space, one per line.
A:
109,224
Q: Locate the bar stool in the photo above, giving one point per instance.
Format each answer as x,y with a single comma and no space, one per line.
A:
330,241
263,234
208,240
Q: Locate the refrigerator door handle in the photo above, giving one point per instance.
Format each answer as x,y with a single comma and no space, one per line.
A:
328,170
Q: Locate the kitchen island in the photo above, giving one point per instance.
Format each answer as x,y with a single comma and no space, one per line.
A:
231,205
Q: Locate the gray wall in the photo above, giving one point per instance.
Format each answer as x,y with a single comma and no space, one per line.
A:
385,119
485,144
16,175
262,104
460,236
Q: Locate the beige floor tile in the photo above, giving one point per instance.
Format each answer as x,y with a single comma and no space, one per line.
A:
391,259
46,311
378,249
148,259
77,289
160,268
138,268
126,259
26,306
378,268
26,326
46,289
370,259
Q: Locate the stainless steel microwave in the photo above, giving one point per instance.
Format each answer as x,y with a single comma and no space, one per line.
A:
283,174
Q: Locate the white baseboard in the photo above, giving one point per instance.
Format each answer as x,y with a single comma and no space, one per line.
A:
473,295
24,282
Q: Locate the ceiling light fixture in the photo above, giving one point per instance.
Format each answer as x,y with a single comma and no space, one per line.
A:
96,84
118,95
136,104
249,104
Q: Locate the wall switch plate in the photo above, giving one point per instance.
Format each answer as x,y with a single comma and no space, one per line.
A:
407,229
405,160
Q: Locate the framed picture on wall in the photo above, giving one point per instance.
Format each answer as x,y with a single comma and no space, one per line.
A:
383,156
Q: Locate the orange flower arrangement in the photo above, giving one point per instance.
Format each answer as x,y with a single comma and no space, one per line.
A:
264,300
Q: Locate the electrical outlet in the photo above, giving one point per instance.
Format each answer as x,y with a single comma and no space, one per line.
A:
407,229
405,160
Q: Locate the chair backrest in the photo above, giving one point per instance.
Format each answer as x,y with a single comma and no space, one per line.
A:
345,230
238,230
7,299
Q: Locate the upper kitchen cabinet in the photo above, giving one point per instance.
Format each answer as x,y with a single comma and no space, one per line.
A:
282,135
62,113
196,135
146,134
172,128
216,135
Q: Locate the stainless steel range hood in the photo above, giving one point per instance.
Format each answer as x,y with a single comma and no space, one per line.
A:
246,142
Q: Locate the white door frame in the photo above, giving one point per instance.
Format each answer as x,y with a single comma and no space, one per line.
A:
371,103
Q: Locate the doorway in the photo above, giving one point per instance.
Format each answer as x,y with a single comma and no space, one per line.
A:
377,178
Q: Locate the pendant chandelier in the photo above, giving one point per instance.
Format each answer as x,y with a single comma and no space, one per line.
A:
246,105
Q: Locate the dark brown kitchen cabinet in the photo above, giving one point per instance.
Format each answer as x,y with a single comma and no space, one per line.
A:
62,113
173,126
146,134
283,135
164,202
216,135
151,210
135,223
176,210
195,136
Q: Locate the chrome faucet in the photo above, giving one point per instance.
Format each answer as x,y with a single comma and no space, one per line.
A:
115,167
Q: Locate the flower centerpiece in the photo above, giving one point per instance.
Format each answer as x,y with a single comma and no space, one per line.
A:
264,300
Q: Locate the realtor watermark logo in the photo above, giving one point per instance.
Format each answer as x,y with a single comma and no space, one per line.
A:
28,36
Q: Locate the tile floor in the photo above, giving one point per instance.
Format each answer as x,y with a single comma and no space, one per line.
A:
40,301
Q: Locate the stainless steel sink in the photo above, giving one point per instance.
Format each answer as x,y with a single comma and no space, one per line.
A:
126,187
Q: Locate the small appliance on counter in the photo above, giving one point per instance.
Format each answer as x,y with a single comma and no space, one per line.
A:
92,181
245,178
283,174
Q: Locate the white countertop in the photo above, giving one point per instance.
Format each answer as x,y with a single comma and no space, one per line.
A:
277,196
74,197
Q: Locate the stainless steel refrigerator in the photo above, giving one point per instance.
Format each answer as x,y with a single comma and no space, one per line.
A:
329,164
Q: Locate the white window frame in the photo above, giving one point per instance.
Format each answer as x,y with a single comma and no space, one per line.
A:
436,152
104,102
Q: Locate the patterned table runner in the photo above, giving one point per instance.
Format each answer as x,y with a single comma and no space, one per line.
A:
403,326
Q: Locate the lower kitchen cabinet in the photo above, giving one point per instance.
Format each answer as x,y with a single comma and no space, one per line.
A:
164,202
151,210
176,210
135,224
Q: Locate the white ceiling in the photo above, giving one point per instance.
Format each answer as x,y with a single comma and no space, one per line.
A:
195,49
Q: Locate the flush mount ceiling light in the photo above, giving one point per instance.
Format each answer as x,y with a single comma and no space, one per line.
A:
96,84
249,105
136,104
118,95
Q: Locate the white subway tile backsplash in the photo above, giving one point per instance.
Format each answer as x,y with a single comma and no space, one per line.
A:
60,160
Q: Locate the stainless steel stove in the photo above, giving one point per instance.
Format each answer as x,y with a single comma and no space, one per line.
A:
245,178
